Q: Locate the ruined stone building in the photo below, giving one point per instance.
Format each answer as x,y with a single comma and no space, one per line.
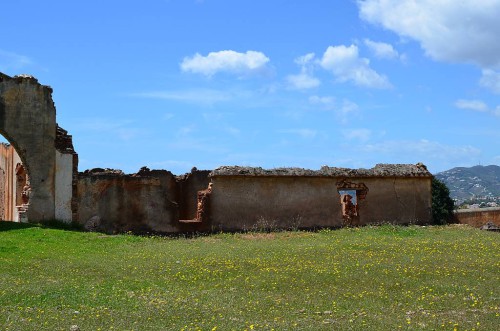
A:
39,181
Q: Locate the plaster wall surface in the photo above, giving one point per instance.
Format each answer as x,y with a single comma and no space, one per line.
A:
129,203
398,200
244,203
2,194
27,120
478,217
9,159
188,187
64,187
238,203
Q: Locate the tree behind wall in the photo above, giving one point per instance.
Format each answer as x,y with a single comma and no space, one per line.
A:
442,204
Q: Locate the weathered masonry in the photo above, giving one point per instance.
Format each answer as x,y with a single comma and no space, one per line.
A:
43,152
478,217
241,197
39,181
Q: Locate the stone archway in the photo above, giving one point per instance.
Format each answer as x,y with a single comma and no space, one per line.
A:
28,122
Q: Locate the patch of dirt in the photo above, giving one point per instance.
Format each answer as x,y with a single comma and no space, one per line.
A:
258,236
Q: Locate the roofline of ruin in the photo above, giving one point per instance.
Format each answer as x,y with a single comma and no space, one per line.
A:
380,170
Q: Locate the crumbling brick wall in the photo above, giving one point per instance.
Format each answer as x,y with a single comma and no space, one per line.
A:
478,217
148,201
188,187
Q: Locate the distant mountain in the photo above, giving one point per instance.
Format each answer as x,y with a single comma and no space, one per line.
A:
473,182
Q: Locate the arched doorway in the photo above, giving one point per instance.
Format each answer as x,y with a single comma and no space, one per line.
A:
27,122
46,169
15,189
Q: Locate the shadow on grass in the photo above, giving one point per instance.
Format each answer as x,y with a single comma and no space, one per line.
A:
59,225
8,225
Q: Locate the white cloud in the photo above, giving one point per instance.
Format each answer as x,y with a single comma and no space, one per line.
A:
225,61
344,110
496,112
362,135
305,79
346,65
302,81
186,130
123,129
232,130
476,105
207,97
327,103
382,50
422,150
9,61
304,133
456,31
348,107
491,80
99,124
305,59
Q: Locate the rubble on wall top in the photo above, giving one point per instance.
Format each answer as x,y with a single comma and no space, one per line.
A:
146,172
64,141
193,172
380,170
23,78
18,77
108,172
258,171
103,172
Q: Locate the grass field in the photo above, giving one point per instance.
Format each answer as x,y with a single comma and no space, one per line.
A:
371,278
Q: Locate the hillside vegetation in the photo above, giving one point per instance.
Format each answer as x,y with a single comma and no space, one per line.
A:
466,183
378,278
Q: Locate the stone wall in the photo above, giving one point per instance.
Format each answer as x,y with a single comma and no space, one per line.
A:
188,186
478,217
6,176
114,202
9,160
64,185
148,201
27,120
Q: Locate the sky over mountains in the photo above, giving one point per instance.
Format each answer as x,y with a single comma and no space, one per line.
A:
180,83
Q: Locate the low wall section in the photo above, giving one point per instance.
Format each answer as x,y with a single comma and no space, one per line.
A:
114,202
149,201
247,198
478,217
235,198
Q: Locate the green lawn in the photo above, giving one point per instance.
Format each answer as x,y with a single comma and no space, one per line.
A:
376,278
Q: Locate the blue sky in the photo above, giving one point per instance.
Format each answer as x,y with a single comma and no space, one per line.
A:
174,84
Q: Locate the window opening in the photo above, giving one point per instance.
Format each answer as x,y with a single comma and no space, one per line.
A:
350,196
